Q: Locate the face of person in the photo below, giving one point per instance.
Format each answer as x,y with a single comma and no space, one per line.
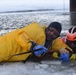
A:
51,33
71,44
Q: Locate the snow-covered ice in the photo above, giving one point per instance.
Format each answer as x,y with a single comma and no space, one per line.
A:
33,68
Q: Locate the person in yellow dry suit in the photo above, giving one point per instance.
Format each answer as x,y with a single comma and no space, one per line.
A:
70,40
17,41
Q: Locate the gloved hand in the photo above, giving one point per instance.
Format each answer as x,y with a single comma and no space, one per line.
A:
38,50
73,57
55,55
64,57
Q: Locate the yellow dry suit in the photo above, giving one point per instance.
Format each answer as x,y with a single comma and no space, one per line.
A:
16,42
58,45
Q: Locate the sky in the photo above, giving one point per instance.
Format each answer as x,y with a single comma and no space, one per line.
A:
32,4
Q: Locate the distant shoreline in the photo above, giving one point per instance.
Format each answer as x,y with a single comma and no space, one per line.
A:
28,10
53,10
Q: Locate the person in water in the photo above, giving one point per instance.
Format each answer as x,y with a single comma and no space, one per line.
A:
32,39
70,40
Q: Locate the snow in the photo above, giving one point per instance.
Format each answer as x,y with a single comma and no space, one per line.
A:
20,68
33,68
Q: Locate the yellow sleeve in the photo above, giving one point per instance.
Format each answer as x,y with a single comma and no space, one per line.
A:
59,44
35,32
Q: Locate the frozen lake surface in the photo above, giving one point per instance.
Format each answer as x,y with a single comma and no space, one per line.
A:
11,21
